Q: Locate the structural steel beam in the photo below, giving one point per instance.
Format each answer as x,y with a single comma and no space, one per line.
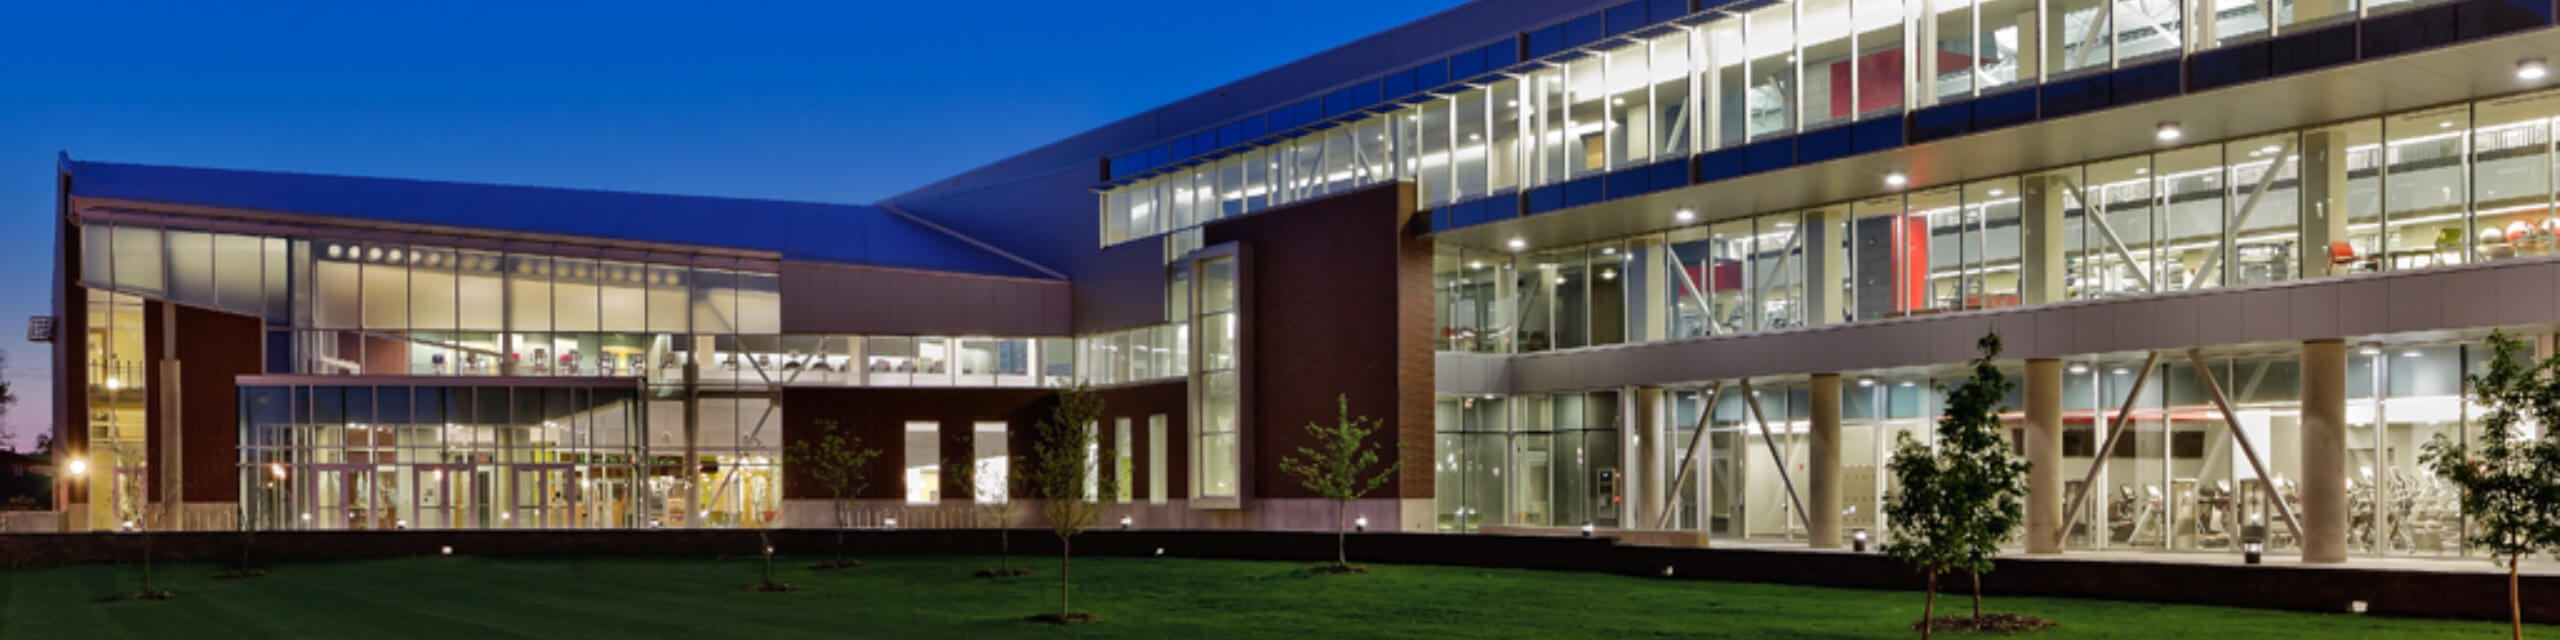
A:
1774,453
2107,449
1671,492
2231,419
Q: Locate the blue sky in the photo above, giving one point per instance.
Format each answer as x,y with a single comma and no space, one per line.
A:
825,101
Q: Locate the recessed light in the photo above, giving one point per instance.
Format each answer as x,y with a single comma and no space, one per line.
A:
2370,350
1684,215
1906,384
2168,131
2139,171
1998,192
1518,244
2448,124
1475,265
2268,149
1608,251
2122,371
1866,382
1896,179
2531,69
2077,368
2412,353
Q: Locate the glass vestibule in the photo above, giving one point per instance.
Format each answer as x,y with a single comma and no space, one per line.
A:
1532,460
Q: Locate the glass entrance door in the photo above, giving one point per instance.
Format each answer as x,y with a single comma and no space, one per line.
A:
445,496
346,497
543,496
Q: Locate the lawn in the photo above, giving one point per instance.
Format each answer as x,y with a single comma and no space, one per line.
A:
1137,597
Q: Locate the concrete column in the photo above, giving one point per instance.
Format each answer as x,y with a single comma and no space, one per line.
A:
1822,467
1650,475
2324,451
170,436
693,438
2324,198
2044,451
1826,265
2040,252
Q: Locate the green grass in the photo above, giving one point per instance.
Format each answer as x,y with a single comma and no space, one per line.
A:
1137,597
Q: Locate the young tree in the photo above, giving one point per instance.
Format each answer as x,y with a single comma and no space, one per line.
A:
1338,469
990,496
2510,477
1068,477
836,461
1953,507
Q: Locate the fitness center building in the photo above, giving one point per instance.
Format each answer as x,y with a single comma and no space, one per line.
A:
1676,265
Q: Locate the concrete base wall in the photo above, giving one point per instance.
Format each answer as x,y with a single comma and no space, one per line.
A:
1277,514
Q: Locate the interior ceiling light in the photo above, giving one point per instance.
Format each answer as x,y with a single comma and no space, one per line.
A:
2168,131
1896,179
1518,244
2530,69
1684,215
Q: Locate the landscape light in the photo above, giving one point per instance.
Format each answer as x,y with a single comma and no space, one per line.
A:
892,523
448,550
1124,523
1360,524
1586,529
1858,540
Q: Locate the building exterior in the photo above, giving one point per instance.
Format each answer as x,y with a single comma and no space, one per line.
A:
1661,265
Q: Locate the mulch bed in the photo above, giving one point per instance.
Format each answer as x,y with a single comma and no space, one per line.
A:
1996,622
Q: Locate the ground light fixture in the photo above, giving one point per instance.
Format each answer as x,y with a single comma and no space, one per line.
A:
2531,69
1666,571
1858,540
447,550
1586,529
1124,523
890,523
2253,541
1896,179
2168,131
1360,523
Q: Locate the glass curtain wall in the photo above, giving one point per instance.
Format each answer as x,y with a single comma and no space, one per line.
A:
435,457
2425,189
1531,460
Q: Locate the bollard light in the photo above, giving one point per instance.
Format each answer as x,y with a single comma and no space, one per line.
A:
1124,523
655,523
400,524
2253,541
891,523
1586,529
1360,524
1858,540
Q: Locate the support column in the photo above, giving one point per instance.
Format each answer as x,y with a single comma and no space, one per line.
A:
1649,439
2041,255
173,488
693,439
2324,451
2324,199
1822,466
2044,452
1826,265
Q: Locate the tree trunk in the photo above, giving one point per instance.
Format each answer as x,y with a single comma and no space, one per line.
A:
1066,549
1977,594
1004,549
839,547
1928,608
146,563
1341,540
2515,605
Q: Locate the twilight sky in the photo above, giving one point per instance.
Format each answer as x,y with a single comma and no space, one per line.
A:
823,101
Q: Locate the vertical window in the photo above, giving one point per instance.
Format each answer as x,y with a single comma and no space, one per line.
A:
1336,161
1547,126
528,293
1215,458
1157,490
1772,83
1231,186
573,294
2147,28
239,269
2005,43
2424,187
2511,178
431,289
1122,463
1675,120
1878,73
386,287
1939,217
1993,257
1502,140
1631,119
1947,73
191,267
2077,34
1830,93
1586,117
338,293
1723,82
924,462
1432,175
1467,149
989,451
2265,220
1373,158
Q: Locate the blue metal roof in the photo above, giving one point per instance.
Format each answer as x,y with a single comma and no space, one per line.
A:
803,231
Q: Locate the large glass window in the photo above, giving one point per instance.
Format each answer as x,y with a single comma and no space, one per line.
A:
1631,120
1830,75
924,462
1773,83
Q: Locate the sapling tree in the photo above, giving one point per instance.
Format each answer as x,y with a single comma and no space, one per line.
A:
2509,474
1068,478
836,461
1338,468
987,491
1952,507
